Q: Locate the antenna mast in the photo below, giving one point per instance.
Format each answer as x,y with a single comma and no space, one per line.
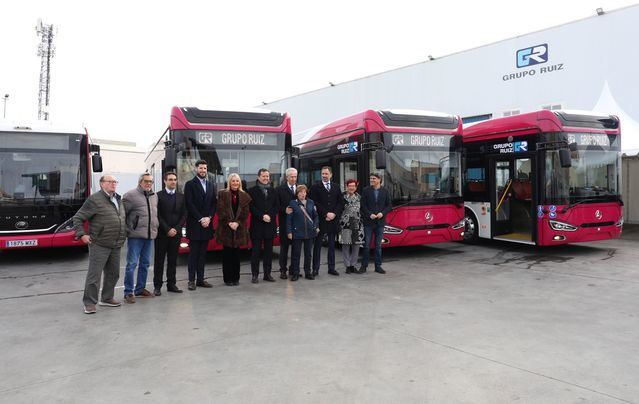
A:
46,51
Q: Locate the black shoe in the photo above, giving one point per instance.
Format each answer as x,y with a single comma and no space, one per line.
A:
191,286
269,278
204,284
309,277
349,270
354,270
283,275
380,270
173,289
254,279
362,270
157,292
236,284
315,273
333,272
294,278
228,283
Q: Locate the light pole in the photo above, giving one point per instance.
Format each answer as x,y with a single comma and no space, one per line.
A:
6,97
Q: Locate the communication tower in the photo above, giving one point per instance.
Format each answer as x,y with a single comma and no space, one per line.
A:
46,51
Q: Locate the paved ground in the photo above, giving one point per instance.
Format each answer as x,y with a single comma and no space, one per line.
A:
450,323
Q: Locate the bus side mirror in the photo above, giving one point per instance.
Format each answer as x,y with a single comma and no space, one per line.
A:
170,158
295,162
96,163
564,158
387,139
380,159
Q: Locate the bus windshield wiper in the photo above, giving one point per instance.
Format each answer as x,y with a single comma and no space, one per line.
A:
572,205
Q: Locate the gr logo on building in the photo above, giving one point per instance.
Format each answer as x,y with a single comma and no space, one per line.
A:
532,56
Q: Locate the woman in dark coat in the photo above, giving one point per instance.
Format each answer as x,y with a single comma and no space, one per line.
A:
232,232
302,227
351,234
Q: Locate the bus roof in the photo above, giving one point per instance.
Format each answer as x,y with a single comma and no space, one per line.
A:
195,118
542,121
408,120
40,127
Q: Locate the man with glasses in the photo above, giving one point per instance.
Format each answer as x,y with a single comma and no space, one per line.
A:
285,194
171,215
141,206
105,215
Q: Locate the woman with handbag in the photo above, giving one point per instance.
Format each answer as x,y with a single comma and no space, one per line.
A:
351,234
302,226
232,232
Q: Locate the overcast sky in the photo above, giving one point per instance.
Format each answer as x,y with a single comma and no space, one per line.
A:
121,65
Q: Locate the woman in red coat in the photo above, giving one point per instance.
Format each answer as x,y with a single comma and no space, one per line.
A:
232,232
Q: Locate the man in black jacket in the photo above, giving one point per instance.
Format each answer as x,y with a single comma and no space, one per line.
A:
375,205
330,204
264,205
285,193
171,214
201,204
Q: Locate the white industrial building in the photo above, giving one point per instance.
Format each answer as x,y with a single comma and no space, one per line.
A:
124,160
589,64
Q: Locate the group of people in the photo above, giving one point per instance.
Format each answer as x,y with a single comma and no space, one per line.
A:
305,217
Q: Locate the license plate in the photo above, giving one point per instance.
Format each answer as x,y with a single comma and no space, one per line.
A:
21,243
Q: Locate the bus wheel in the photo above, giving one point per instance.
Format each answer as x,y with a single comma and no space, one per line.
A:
471,230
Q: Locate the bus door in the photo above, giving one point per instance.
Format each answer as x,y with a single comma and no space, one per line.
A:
346,168
512,198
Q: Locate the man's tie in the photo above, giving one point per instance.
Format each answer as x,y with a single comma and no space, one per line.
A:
328,186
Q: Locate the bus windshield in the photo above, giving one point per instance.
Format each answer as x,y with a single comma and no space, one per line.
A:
222,162
592,176
42,166
422,175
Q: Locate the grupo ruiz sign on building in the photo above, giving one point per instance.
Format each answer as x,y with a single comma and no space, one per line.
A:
526,58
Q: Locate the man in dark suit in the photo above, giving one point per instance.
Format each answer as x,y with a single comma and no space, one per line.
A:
330,204
201,203
285,194
264,205
171,215
375,205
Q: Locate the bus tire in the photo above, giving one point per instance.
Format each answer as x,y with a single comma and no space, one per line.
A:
471,230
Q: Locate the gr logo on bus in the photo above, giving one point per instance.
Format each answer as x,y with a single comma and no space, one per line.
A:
532,56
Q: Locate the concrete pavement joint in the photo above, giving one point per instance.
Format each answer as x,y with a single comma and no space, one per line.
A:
450,347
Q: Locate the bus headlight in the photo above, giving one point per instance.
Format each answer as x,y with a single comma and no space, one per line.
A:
65,227
459,224
620,222
561,226
392,230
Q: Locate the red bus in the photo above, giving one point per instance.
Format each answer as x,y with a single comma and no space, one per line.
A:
239,142
418,154
45,174
544,178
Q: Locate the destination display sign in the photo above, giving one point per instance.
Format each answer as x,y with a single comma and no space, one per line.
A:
237,138
347,148
420,140
511,147
589,139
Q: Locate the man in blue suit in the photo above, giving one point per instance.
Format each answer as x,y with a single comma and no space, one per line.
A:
375,205
201,203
